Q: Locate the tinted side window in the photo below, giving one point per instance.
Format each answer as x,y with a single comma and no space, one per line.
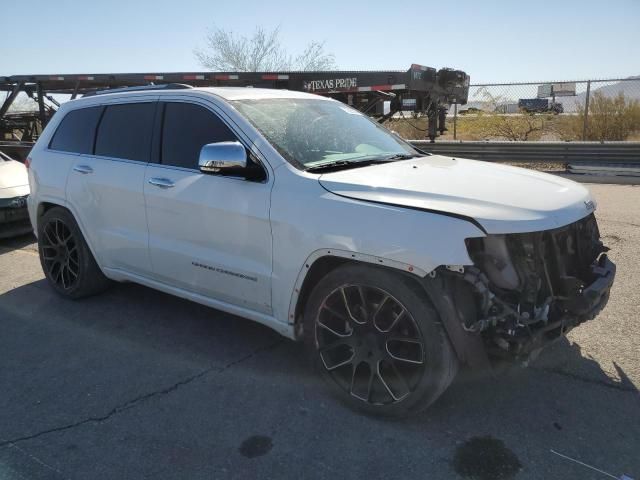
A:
76,131
125,131
186,128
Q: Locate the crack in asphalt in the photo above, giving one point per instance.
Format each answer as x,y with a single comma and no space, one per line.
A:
142,398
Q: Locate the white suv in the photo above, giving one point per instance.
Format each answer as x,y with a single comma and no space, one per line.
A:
301,213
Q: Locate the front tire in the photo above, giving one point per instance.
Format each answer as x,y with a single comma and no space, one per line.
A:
377,340
66,259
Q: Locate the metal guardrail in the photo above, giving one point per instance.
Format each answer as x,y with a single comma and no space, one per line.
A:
565,152
607,152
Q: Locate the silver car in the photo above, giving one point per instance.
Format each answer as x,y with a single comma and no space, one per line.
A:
14,190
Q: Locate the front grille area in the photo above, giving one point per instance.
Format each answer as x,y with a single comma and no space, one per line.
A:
539,286
572,249
556,263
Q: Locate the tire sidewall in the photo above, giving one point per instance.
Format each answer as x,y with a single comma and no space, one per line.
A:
84,255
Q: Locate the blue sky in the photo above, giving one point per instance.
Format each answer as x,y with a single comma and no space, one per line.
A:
491,40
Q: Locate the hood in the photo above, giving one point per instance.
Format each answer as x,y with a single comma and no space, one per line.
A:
14,181
502,199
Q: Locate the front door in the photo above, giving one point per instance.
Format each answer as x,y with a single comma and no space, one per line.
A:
207,234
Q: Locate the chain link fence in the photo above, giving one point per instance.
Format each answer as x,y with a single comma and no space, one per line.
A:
597,110
590,110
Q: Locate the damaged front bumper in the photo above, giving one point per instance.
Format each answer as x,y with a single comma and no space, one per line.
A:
523,291
593,298
586,305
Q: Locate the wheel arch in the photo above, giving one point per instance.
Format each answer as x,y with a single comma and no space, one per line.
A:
323,261
45,205
442,293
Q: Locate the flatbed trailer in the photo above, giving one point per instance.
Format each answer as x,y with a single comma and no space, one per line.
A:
380,94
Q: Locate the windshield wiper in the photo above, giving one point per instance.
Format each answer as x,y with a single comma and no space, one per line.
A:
339,164
401,156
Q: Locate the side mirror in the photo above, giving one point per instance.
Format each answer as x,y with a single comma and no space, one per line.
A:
223,158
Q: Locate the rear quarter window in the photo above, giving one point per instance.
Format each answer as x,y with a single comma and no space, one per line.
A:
125,131
76,131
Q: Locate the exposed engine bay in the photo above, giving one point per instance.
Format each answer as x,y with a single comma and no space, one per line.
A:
530,288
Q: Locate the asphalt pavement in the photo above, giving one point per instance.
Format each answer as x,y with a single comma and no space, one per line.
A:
138,384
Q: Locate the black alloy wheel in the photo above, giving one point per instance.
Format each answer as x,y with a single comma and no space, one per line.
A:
65,257
60,254
369,344
377,340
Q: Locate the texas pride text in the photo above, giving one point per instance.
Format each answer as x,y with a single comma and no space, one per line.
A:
330,84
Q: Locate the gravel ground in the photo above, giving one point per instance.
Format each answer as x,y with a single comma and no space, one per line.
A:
613,341
137,384
541,166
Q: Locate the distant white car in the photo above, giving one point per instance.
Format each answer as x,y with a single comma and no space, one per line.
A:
14,190
301,213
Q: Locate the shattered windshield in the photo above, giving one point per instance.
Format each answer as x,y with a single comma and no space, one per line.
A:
316,132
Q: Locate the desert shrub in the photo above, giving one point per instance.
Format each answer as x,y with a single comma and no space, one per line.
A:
610,119
495,126
409,127
481,126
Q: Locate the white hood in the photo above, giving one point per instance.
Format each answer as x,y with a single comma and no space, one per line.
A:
501,198
14,181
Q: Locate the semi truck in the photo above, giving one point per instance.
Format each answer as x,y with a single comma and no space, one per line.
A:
539,105
380,94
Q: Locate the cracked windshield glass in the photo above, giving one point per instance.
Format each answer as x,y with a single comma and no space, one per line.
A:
315,133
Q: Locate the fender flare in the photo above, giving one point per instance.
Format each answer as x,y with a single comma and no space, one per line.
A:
350,256
57,202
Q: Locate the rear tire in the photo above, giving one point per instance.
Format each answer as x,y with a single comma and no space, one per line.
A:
378,341
65,257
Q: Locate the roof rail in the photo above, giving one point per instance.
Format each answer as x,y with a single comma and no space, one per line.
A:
165,86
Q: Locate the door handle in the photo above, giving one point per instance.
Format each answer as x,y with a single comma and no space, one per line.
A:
161,182
84,169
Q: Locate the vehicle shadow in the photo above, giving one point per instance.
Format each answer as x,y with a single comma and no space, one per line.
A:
552,404
16,243
138,314
567,358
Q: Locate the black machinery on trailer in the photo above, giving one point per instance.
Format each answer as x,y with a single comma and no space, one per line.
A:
380,94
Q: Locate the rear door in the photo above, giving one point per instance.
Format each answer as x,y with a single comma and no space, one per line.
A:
208,234
105,186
